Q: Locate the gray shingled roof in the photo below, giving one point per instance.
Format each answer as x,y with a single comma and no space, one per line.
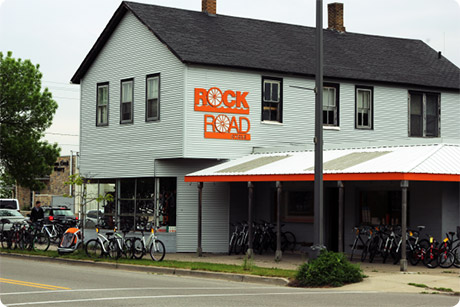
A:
197,38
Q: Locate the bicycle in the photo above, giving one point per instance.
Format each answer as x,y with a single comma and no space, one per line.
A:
34,239
153,246
359,232
54,231
103,245
124,246
446,254
233,239
431,257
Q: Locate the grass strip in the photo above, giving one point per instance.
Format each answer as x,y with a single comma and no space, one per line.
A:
203,266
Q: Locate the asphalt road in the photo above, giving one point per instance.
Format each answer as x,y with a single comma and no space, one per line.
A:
25,282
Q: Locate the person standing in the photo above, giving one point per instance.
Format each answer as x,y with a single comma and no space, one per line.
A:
37,212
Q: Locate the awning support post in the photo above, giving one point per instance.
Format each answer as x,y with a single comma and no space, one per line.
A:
250,251
199,250
278,253
341,204
403,261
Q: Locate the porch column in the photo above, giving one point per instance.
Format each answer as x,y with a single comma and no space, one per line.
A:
199,250
278,253
403,262
250,252
341,204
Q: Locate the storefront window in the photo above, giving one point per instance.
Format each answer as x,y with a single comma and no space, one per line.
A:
167,202
137,203
380,207
145,201
298,206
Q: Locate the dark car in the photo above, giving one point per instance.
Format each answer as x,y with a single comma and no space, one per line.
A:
61,215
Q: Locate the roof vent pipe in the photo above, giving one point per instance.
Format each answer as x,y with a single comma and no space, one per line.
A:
209,7
439,55
335,17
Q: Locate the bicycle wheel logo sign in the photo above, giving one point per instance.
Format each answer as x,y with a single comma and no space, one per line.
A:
223,126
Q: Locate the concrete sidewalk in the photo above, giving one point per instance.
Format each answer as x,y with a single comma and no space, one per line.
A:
381,277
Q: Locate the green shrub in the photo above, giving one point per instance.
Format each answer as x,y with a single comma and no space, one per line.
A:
329,269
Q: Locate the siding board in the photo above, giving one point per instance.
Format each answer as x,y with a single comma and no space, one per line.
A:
129,150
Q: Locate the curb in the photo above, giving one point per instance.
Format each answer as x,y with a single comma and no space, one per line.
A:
276,281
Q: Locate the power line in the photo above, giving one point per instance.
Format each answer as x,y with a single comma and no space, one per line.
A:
71,98
58,88
57,133
55,82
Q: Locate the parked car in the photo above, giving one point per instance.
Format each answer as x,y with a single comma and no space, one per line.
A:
92,218
12,216
9,203
62,215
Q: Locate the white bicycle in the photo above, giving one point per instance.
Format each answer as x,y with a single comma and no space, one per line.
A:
152,245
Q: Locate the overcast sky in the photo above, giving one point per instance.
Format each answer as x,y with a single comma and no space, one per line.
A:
58,34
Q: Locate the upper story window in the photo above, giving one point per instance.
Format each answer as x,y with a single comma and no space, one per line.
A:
126,103
424,114
102,108
331,105
152,103
364,108
272,99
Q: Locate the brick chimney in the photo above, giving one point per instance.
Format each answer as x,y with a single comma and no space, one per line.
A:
335,17
208,6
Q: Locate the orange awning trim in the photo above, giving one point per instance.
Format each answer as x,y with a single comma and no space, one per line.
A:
328,177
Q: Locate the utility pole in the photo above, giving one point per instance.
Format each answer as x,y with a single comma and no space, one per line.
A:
318,140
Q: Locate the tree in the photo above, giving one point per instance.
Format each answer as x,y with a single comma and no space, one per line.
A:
82,197
25,113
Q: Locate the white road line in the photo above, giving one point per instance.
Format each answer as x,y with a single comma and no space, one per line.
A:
187,296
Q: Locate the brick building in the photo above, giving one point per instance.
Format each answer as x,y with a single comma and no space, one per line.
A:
55,186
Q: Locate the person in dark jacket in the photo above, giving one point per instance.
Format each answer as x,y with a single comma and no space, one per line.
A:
37,212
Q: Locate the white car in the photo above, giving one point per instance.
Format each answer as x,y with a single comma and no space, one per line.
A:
8,217
92,219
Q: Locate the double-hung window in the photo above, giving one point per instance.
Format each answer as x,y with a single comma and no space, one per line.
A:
272,99
152,103
424,114
364,108
102,104
331,105
126,103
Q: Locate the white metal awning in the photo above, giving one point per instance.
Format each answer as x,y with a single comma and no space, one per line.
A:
432,162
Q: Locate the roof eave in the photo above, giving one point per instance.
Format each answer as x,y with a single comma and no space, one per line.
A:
100,42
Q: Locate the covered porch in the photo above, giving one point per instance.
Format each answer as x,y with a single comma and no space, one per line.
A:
359,182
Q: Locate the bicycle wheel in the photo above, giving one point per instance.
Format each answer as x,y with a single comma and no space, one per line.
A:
157,250
6,240
431,259
231,244
238,244
288,241
353,247
373,248
456,252
41,242
138,248
93,249
446,258
114,249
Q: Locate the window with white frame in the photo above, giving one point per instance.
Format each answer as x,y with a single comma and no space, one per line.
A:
331,105
424,114
126,103
102,108
152,103
364,108
272,99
